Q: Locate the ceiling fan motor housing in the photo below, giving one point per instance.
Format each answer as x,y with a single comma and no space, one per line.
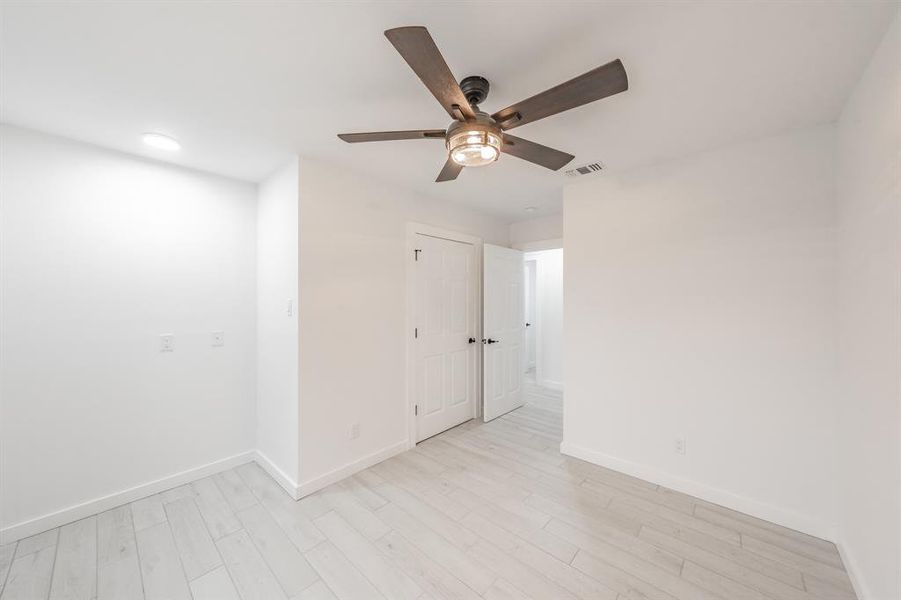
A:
475,88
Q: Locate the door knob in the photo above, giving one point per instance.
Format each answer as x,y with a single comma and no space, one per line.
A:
472,340
490,341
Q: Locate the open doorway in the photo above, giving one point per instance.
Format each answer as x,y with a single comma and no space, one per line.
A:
529,269
543,289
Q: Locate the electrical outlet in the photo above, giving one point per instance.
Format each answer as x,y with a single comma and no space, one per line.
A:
680,445
290,307
218,338
167,342
354,431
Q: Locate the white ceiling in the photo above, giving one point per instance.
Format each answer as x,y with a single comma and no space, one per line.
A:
243,85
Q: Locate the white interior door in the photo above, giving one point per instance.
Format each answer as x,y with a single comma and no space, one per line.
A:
504,330
446,321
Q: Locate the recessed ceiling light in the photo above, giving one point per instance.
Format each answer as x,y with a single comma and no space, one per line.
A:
530,209
161,142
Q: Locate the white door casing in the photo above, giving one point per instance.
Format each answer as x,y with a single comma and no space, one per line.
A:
445,317
504,330
530,274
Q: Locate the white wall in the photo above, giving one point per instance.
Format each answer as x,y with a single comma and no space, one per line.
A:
353,262
524,233
277,330
548,317
700,302
869,202
100,253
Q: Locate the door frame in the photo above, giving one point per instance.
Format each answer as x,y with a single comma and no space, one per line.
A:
531,293
414,229
539,330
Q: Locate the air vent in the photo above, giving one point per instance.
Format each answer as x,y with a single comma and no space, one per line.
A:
585,170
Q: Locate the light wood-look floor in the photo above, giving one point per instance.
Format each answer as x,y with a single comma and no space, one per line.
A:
482,511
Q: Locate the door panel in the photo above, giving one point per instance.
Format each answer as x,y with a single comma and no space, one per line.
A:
445,314
504,330
460,377
432,398
458,307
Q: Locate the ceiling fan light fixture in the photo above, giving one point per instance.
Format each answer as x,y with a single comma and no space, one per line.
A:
474,148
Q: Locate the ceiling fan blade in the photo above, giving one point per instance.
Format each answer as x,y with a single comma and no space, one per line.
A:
598,83
449,172
536,153
419,50
387,136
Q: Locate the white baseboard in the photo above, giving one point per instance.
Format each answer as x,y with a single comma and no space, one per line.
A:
98,505
761,510
851,567
314,485
282,478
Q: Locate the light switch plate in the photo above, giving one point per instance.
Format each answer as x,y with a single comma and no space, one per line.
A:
167,342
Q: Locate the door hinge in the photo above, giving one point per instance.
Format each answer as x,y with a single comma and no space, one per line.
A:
415,410
416,253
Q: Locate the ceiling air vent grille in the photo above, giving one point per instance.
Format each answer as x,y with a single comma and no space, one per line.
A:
585,170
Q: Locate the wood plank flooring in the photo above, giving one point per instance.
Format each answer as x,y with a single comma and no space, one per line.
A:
481,511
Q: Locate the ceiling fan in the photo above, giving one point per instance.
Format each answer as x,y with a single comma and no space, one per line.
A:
476,138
